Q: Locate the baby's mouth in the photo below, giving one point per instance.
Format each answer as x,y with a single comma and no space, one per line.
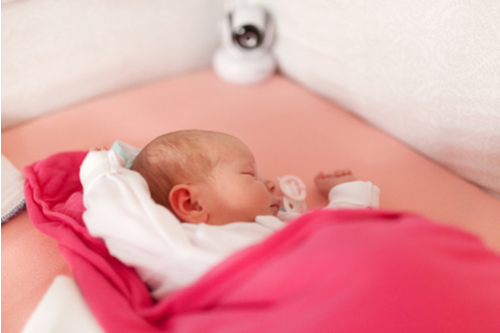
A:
276,206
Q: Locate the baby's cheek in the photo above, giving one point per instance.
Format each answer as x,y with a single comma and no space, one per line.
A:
265,200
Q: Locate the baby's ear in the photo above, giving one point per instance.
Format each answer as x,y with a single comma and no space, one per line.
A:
184,202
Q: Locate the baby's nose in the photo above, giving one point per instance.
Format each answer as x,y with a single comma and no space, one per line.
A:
271,186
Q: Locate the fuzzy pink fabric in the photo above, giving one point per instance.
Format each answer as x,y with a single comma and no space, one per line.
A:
334,271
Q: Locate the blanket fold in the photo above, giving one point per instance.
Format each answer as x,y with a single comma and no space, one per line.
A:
333,271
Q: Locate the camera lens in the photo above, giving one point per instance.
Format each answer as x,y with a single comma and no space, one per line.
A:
248,37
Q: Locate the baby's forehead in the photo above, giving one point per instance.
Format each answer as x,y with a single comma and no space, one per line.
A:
204,147
236,154
232,147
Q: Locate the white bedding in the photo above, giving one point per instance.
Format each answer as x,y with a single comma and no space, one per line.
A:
61,310
12,190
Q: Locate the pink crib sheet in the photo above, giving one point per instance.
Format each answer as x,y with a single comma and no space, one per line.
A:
289,129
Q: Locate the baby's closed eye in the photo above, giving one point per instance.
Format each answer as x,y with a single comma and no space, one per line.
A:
249,173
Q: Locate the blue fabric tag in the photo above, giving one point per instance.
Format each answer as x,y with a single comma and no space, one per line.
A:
126,151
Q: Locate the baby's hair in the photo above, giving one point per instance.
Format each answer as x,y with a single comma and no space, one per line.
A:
175,158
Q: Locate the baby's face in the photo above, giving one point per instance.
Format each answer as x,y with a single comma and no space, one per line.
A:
236,193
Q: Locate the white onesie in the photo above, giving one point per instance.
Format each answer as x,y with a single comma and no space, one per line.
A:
166,253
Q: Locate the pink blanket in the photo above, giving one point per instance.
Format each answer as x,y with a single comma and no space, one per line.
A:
328,271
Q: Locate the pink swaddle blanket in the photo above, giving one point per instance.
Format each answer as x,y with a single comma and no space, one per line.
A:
327,271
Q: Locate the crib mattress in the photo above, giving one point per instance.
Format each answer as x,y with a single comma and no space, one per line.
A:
289,129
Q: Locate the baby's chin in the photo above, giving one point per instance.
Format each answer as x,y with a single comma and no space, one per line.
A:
273,210
270,212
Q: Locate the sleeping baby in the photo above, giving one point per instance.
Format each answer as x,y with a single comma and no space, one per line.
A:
190,200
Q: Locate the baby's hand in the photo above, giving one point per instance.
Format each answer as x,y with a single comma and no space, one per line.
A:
325,182
98,148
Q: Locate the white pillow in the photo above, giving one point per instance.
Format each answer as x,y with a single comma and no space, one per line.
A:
12,190
426,72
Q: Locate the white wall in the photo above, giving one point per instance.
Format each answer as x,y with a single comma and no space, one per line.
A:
56,53
428,72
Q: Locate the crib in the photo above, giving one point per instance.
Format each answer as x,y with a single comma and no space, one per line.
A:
403,94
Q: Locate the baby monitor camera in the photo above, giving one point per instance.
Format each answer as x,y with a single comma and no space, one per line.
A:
245,54
248,37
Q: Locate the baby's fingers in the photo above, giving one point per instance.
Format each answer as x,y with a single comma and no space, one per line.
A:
98,148
342,172
320,175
